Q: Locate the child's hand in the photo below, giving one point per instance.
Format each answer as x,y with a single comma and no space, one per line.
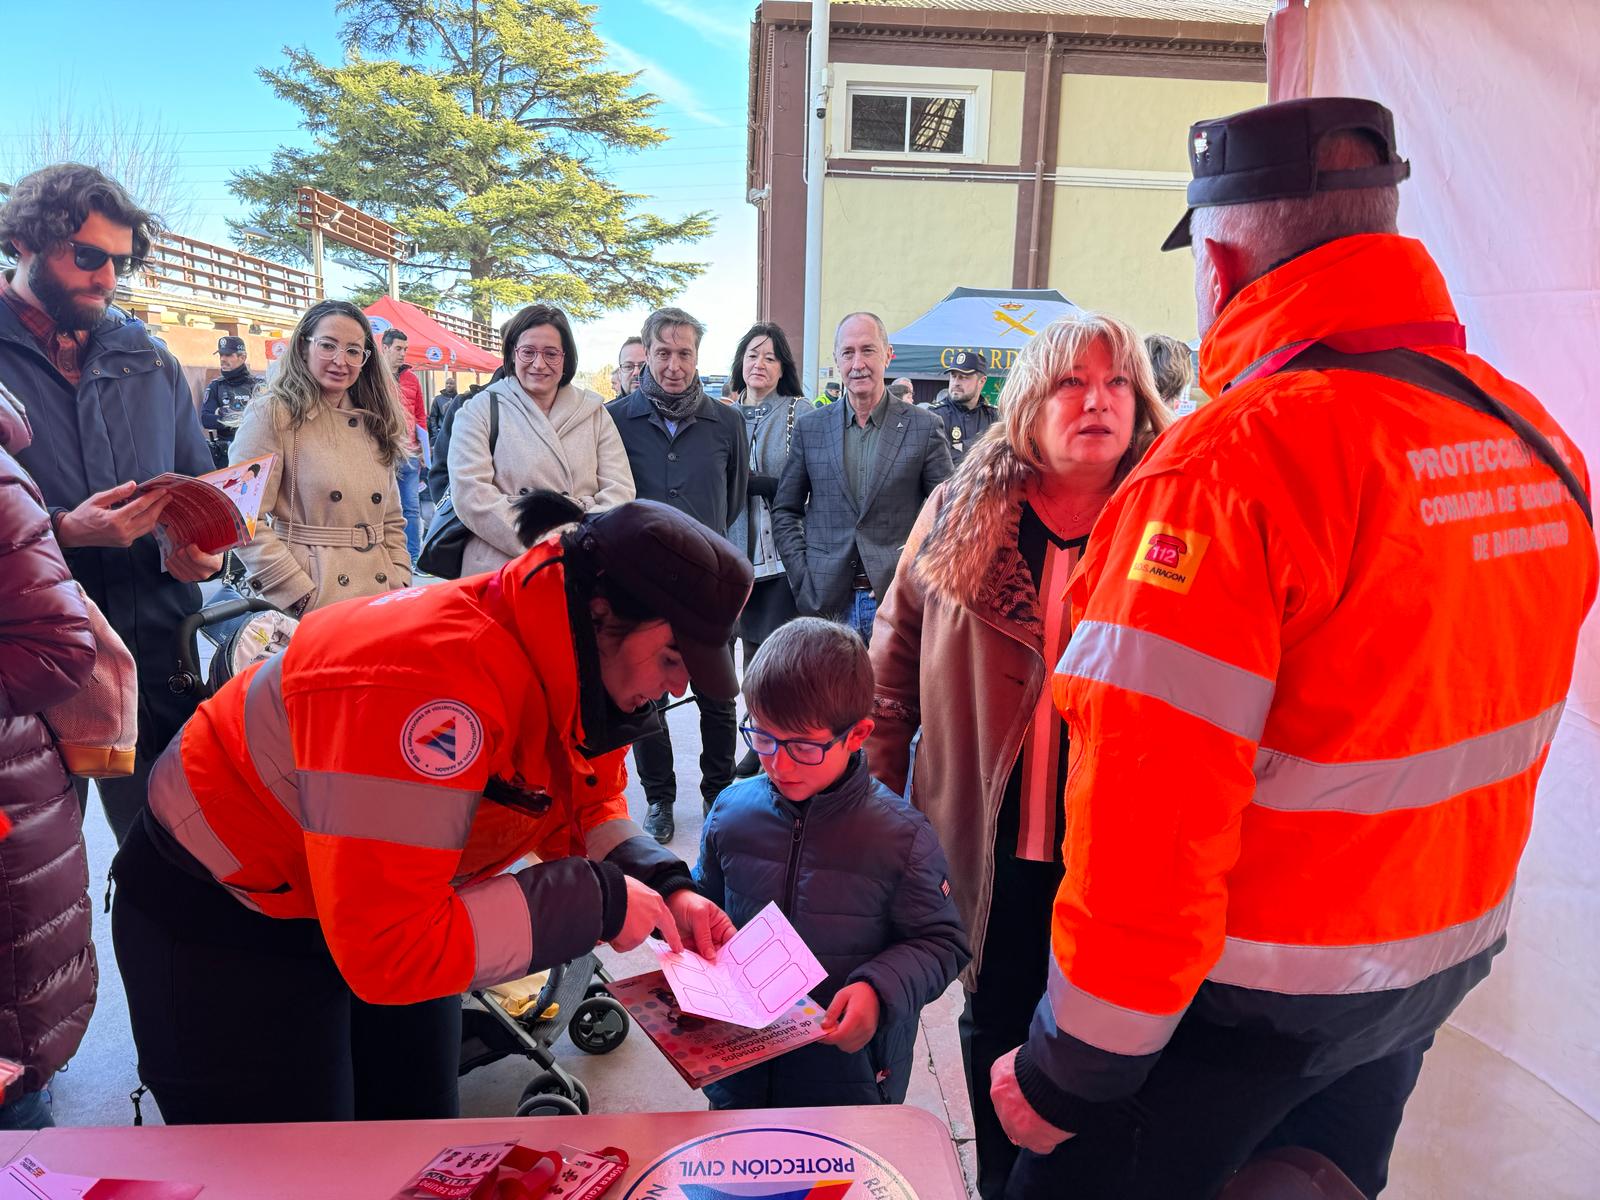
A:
852,1018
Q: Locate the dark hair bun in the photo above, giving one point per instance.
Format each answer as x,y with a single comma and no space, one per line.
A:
543,510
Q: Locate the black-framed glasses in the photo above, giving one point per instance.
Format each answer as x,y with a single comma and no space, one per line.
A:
91,258
803,750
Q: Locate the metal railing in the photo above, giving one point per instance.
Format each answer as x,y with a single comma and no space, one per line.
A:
485,337
185,265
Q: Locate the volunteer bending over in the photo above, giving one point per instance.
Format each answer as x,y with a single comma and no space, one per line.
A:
320,872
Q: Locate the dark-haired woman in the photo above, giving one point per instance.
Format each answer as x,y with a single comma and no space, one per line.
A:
330,834
765,386
334,527
550,433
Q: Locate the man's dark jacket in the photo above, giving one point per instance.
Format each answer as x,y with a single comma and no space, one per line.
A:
131,417
701,472
819,527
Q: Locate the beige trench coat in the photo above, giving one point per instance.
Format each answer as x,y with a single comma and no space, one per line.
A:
328,487
575,450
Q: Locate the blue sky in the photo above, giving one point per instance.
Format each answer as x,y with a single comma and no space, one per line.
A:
191,66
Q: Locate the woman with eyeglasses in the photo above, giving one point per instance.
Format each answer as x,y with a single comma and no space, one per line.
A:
534,429
333,526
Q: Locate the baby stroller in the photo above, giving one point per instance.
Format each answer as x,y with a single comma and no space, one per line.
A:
245,630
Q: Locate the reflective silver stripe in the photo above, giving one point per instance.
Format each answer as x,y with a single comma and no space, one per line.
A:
266,734
406,812
1346,970
172,802
1111,1027
502,933
1229,697
608,835
1385,785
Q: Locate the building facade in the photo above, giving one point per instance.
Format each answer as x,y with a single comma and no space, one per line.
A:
992,144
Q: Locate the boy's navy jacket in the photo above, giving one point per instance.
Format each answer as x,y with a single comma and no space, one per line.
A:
862,877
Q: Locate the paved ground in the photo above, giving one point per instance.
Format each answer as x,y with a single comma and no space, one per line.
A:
633,1078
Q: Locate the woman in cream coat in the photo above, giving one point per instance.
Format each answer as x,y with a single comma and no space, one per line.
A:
333,526
552,434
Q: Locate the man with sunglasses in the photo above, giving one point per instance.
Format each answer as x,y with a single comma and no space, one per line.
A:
110,408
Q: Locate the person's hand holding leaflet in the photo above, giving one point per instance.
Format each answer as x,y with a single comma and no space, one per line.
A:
852,1018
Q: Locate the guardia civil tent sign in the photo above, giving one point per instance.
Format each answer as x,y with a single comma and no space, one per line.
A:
995,324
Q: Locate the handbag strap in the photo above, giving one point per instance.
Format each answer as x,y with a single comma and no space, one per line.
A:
1432,375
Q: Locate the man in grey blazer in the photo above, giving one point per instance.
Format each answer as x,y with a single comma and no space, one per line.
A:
857,475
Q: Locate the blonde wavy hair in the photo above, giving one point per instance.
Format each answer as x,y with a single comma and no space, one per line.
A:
982,498
296,393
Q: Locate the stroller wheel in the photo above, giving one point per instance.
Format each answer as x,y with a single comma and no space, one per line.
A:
598,1025
596,991
547,1104
548,1083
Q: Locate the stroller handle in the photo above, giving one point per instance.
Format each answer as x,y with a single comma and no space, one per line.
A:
188,656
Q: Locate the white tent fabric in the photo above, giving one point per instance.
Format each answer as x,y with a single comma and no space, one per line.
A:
1495,106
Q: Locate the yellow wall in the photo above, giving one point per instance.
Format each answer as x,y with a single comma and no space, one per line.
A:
1005,117
1136,124
897,246
1105,242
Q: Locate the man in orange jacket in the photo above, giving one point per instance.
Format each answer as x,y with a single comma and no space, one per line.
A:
1307,717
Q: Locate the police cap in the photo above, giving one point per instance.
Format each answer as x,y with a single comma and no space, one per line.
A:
966,362
1270,153
230,345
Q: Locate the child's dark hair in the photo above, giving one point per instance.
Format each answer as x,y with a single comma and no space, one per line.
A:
810,674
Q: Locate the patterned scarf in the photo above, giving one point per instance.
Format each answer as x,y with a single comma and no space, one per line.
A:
672,406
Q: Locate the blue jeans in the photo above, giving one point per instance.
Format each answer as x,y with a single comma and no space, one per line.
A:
859,616
32,1111
407,476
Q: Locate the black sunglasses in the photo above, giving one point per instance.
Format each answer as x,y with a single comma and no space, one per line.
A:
92,258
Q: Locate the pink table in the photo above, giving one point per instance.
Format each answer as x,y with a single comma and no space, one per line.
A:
349,1161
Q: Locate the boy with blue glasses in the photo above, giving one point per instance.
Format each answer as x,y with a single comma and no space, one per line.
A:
858,872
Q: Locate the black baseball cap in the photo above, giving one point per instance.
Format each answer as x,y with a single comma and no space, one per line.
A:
966,362
1270,153
675,567
230,345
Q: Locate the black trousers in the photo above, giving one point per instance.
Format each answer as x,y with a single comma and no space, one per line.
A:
652,756
1207,1109
242,1018
995,1021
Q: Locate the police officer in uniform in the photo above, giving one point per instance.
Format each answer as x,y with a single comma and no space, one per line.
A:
226,397
961,407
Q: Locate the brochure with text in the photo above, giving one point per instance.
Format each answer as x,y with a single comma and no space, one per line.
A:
216,511
701,1049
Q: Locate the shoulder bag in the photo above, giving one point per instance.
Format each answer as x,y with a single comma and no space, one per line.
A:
446,539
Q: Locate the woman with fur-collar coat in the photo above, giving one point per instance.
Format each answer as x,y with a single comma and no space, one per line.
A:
962,649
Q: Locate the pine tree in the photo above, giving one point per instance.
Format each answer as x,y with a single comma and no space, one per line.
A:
481,129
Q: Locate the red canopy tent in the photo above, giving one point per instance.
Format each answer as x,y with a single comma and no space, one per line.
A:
431,346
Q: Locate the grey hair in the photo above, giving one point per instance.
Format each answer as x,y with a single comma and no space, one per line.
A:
883,330
662,318
1272,232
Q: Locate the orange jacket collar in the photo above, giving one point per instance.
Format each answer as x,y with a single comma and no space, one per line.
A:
1353,283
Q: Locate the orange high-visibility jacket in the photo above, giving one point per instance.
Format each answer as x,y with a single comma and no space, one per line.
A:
1322,639
343,781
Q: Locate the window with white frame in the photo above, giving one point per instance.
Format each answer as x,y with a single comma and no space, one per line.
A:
911,121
